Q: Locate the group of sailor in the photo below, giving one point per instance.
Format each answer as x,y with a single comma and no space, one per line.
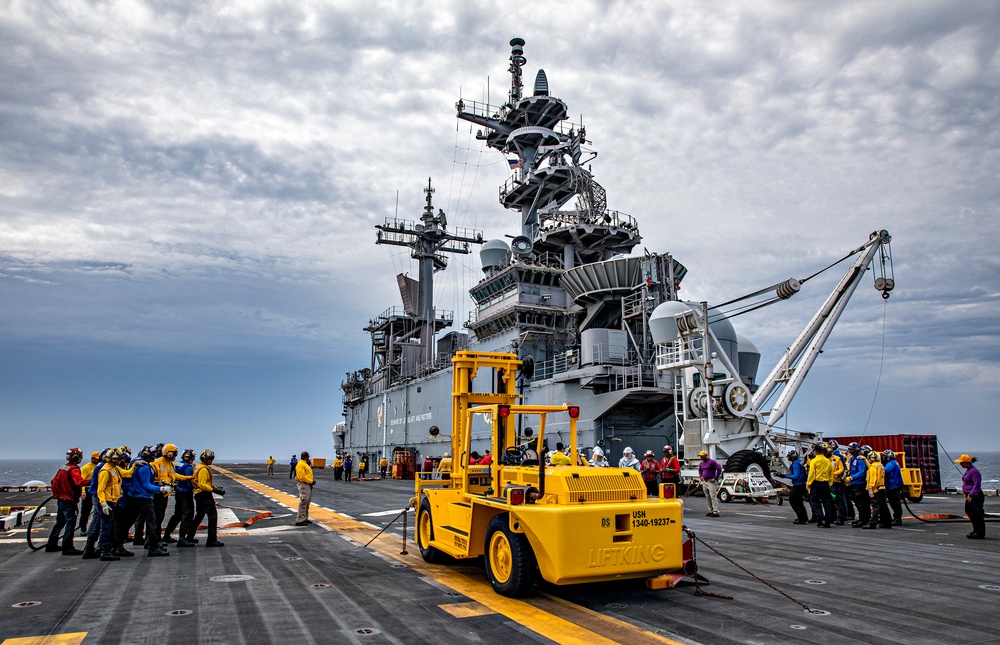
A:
866,480
122,492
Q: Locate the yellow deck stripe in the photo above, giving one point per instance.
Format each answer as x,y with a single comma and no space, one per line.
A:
58,639
466,609
534,614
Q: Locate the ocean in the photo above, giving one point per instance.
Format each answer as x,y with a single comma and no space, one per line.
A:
16,472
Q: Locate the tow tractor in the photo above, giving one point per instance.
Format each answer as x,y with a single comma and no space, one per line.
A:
563,524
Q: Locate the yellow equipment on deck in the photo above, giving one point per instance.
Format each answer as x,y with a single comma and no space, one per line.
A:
569,524
913,481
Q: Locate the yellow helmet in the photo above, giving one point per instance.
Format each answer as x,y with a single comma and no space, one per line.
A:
169,447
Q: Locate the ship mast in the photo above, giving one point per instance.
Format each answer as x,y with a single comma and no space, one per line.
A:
428,241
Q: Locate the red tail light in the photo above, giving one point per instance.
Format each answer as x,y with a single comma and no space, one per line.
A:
574,411
503,411
516,496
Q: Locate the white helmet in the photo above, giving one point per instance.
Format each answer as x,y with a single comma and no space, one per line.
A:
628,450
598,451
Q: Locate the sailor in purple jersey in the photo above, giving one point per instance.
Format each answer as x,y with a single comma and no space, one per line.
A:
972,486
709,471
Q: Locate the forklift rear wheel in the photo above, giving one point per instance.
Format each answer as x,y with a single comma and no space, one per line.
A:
510,563
916,499
425,533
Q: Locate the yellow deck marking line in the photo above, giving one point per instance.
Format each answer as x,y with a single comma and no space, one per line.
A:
58,639
526,613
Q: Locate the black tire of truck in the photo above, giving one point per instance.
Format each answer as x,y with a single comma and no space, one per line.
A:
510,562
425,533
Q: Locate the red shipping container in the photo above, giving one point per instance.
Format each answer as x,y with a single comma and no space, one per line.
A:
921,451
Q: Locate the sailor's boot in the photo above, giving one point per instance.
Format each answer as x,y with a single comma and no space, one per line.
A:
107,555
122,552
89,552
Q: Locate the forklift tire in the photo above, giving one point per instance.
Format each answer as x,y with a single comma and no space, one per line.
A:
510,562
724,496
425,533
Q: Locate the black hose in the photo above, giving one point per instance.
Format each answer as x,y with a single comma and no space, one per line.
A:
951,520
31,522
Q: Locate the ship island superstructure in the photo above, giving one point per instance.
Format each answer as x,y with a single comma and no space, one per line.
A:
563,294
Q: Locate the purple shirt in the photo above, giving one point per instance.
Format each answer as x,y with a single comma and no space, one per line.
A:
972,481
709,469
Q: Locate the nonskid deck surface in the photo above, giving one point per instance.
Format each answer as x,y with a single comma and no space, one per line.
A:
922,583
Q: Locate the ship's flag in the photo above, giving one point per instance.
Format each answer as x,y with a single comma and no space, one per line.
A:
514,163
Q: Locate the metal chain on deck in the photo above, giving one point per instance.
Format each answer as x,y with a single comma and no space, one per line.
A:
698,591
744,570
403,514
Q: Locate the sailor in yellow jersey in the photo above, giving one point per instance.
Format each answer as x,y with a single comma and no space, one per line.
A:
383,466
876,489
304,477
837,485
166,475
204,501
818,485
109,491
270,465
338,467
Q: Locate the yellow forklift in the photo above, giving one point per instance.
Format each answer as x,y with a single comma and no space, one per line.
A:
565,524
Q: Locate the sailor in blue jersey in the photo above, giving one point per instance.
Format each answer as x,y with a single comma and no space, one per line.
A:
798,476
183,501
139,502
858,479
893,486
94,528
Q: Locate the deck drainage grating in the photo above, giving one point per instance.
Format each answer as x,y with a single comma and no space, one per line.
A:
973,562
399,566
453,594
66,569
990,587
616,605
798,627
231,578
366,631
28,603
292,559
320,585
818,612
813,558
179,612
815,582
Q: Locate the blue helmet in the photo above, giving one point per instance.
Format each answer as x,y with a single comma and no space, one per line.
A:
833,444
853,447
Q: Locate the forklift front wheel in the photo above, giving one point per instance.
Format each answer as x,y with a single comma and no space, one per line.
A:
510,562
425,533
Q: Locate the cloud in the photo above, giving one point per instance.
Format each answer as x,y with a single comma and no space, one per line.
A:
205,179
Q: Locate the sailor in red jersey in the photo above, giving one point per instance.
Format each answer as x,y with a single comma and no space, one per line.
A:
66,486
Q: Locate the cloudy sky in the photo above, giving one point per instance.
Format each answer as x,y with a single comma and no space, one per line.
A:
188,194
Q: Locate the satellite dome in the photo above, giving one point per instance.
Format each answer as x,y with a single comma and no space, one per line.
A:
662,325
492,253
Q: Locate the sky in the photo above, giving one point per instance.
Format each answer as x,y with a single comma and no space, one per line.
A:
188,196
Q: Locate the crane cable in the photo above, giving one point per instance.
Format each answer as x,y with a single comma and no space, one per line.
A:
881,363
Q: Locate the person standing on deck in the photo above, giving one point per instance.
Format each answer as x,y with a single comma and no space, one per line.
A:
94,530
348,467
204,490
167,476
291,466
362,467
304,477
139,503
598,460
818,485
383,466
444,466
338,467
650,471
857,478
709,472
876,489
798,476
837,491
670,469
628,460
972,486
183,501
66,487
87,505
270,465
109,491
893,487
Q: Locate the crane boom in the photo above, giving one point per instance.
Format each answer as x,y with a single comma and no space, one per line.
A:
800,356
